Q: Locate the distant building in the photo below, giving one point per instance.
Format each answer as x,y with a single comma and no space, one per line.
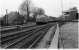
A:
70,14
13,18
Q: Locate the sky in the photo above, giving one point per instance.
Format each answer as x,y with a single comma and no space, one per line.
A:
51,7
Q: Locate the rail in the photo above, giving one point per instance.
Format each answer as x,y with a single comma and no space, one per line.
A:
15,27
18,42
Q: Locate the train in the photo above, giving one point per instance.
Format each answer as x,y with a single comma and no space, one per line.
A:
41,19
44,19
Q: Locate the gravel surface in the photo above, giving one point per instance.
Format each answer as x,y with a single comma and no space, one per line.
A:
69,35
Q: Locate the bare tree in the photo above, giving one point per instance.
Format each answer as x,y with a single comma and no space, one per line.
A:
25,8
38,11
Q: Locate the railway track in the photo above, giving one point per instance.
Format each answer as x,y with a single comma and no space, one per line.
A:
4,34
24,25
15,28
26,38
39,38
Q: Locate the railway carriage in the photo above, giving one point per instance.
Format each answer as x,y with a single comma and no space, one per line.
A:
41,19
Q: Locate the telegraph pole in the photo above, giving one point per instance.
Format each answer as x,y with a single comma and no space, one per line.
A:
7,16
60,40
28,3
64,18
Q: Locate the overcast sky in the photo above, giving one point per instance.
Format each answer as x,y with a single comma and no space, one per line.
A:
51,7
